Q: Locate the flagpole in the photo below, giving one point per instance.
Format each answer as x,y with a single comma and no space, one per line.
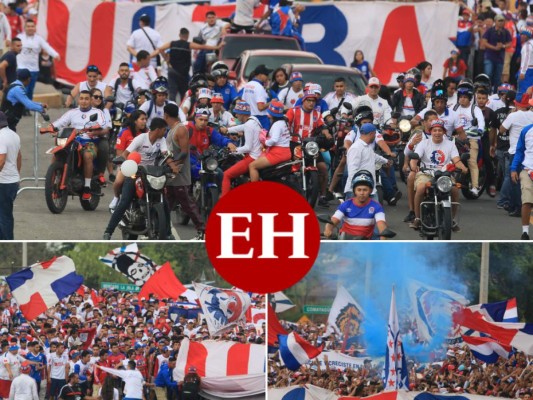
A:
484,274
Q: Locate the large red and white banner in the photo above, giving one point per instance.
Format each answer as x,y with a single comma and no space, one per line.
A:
393,36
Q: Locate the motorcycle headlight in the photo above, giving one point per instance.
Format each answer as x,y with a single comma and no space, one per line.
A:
157,183
444,184
62,141
405,125
211,164
311,149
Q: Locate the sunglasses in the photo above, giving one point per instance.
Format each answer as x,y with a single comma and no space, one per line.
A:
439,92
92,68
98,97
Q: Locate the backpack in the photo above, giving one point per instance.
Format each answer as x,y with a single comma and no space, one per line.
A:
151,108
130,85
472,107
189,391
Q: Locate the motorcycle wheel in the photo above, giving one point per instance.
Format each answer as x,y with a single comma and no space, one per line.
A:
56,199
158,228
313,187
379,191
210,201
445,228
92,205
482,183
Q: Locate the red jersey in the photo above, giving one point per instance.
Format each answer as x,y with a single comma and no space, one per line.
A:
302,122
99,374
124,139
142,365
115,359
198,138
16,24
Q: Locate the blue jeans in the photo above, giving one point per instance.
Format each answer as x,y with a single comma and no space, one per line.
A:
8,193
31,86
200,63
509,188
388,181
503,168
126,197
494,70
524,84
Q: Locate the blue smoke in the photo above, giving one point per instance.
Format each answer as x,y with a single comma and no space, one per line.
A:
395,264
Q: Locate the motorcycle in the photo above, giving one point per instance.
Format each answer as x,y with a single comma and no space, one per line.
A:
116,126
463,148
436,207
386,233
64,176
404,127
146,214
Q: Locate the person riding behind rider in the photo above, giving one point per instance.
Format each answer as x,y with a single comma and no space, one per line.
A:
150,146
252,149
290,95
339,94
315,88
277,142
306,121
146,74
123,87
255,94
436,153
380,107
218,114
202,136
473,123
155,107
136,126
197,82
360,213
409,101
79,118
97,101
220,72
92,82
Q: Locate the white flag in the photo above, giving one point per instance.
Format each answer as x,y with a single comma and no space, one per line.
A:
281,302
346,315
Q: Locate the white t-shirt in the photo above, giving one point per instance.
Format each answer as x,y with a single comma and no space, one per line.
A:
333,101
211,34
225,118
57,365
514,123
279,135
450,118
139,41
149,151
361,156
244,12
466,118
78,119
123,94
436,154
380,107
10,146
158,111
495,102
253,93
528,153
31,48
289,97
99,85
252,129
144,77
14,361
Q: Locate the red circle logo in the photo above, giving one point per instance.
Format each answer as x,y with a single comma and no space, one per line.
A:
262,237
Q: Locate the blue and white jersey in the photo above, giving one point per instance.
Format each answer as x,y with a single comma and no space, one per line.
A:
359,220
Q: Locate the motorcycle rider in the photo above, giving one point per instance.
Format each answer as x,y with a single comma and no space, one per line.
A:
92,82
220,72
218,114
177,188
488,140
278,142
307,121
255,94
380,107
473,123
409,101
155,107
360,213
123,87
149,145
250,128
78,118
290,95
434,152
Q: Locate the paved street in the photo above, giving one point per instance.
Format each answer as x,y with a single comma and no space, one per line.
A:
479,219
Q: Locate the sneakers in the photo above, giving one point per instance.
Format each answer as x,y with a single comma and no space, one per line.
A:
199,235
323,202
524,236
86,196
410,217
394,199
113,204
101,180
330,196
415,224
501,206
107,236
455,227
474,191
492,191
515,213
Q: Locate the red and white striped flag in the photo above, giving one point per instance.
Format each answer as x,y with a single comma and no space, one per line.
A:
228,369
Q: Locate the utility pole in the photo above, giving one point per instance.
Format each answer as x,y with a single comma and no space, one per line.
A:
484,274
24,254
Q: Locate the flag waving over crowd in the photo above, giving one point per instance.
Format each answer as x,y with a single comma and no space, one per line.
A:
44,284
228,369
431,306
346,315
222,308
501,311
281,302
486,349
165,285
295,351
395,374
129,261
274,326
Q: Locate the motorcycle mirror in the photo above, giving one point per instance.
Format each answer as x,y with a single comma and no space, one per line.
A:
324,218
387,233
118,160
110,99
347,105
414,156
396,115
93,117
46,117
334,110
119,105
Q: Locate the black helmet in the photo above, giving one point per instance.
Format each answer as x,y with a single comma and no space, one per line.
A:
198,81
160,85
363,177
465,88
363,112
482,81
438,91
219,65
219,72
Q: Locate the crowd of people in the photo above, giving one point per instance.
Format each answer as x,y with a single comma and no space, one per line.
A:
132,354
450,369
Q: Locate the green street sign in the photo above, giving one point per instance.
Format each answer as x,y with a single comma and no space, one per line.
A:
312,309
123,287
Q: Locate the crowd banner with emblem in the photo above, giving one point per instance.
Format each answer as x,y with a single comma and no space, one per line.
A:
393,36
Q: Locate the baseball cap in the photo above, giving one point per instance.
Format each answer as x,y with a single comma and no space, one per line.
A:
296,76
499,17
23,74
409,78
262,69
191,321
373,82
205,93
437,123
202,112
367,128
13,348
241,107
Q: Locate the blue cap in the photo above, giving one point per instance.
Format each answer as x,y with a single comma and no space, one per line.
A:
13,348
23,74
367,128
242,107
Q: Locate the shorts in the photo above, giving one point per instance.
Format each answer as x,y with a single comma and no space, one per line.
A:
5,387
89,148
526,186
422,178
277,154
